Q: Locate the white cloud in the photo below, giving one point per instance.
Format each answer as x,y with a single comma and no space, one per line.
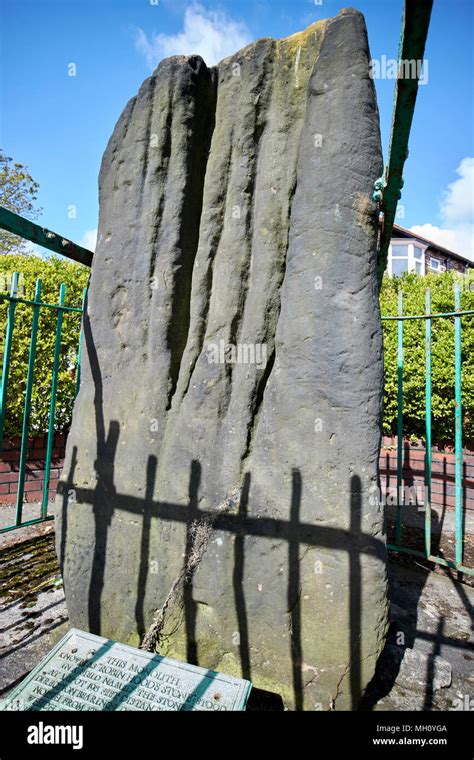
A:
89,240
458,202
212,34
457,214
447,238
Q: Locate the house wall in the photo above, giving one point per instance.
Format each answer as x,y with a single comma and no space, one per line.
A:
447,262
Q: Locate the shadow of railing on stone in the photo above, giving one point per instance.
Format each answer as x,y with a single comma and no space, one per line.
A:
105,500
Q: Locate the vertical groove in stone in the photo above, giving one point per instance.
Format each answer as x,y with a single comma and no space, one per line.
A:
261,94
201,128
200,327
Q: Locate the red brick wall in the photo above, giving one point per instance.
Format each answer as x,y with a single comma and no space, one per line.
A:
442,469
35,464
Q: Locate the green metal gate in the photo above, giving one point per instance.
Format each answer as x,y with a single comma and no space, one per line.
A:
46,238
36,305
457,315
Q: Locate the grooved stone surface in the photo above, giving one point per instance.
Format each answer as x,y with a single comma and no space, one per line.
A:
236,213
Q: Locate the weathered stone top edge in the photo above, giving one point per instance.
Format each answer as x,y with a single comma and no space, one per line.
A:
298,38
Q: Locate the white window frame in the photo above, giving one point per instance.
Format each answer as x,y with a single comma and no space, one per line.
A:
438,261
410,244
421,260
391,256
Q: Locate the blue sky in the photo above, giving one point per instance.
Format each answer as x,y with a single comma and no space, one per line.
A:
59,124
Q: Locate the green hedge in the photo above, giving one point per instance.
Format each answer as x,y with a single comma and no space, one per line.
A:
53,272
442,300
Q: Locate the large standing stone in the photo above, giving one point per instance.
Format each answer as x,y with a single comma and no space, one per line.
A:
235,209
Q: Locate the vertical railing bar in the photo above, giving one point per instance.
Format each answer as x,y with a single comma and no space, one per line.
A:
27,407
7,354
458,429
428,425
398,538
52,404
79,350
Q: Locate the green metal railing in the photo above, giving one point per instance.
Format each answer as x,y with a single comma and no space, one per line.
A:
28,230
36,304
457,315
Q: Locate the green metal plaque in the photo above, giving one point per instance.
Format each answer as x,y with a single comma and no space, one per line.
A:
88,672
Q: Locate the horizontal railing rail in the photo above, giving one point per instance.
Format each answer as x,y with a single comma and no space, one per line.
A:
28,230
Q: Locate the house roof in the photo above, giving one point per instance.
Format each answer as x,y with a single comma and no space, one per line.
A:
399,231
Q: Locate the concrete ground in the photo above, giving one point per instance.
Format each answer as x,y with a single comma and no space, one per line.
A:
31,511
427,663
442,518
33,614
